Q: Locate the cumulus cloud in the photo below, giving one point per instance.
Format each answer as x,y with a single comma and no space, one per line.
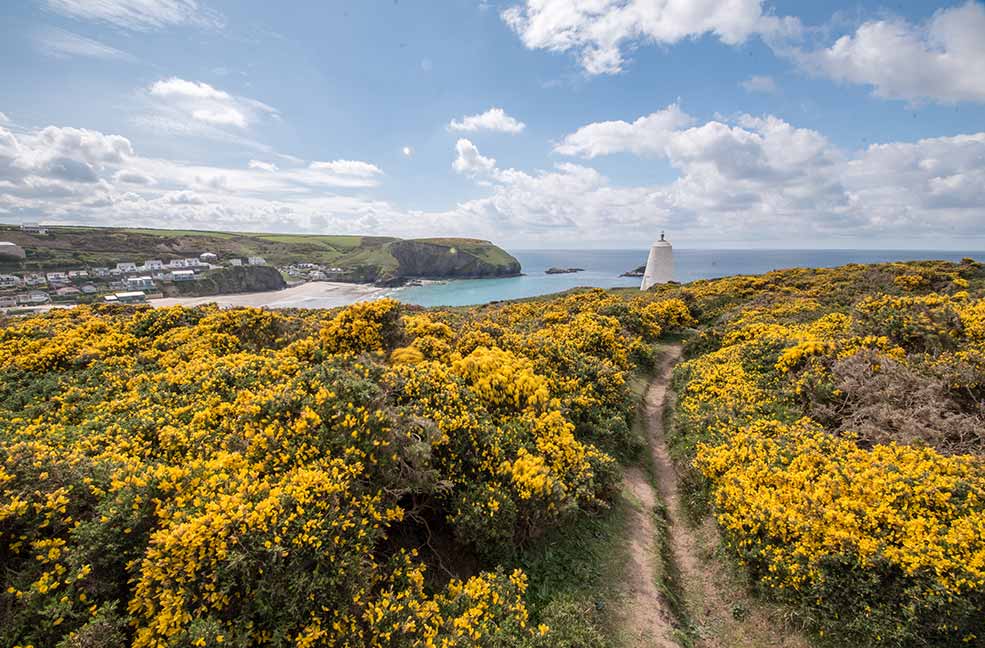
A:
469,161
758,83
494,119
138,15
407,151
941,60
62,44
645,136
204,103
599,32
263,166
354,168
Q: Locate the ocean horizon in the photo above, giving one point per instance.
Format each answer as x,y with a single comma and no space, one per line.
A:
601,269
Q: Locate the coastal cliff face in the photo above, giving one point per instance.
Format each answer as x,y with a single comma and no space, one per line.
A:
229,280
448,259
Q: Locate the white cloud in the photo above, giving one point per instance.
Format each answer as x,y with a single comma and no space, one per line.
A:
63,44
4,119
263,166
758,83
139,15
469,161
598,32
494,119
646,135
407,151
180,99
348,168
133,177
941,60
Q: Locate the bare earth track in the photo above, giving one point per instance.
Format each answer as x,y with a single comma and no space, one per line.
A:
720,611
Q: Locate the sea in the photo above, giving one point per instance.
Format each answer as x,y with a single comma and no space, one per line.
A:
601,268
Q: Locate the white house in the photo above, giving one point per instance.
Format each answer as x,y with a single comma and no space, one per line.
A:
9,281
35,279
139,283
10,250
256,260
129,297
208,257
33,297
125,267
153,264
183,275
78,274
57,277
34,228
67,291
101,272
235,262
8,302
88,289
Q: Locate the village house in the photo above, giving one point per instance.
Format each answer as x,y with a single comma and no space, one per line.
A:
34,228
33,297
139,283
9,281
57,278
67,291
208,257
35,279
183,275
153,264
125,267
8,302
235,262
133,297
100,272
256,260
88,289
78,274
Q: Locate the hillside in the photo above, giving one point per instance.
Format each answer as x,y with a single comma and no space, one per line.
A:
387,475
362,258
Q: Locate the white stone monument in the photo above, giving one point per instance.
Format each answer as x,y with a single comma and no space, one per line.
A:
660,264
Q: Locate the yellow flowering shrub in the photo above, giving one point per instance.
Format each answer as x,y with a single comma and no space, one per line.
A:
196,477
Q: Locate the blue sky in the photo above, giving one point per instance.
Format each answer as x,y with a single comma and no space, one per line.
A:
545,123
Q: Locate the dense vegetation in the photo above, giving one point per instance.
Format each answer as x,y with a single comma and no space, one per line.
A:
186,477
376,475
836,418
364,258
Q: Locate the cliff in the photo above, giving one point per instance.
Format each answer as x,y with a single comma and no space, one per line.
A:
447,259
227,281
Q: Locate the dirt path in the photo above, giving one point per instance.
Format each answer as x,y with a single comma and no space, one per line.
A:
719,609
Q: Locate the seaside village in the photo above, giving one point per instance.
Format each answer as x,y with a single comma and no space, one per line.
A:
126,282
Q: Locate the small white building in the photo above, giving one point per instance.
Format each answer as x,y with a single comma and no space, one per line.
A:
78,274
659,265
183,275
88,289
35,279
34,228
139,283
57,278
100,272
33,297
125,267
10,281
235,262
67,291
153,264
11,251
208,257
133,297
256,260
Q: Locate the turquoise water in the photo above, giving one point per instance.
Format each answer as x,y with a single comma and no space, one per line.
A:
603,267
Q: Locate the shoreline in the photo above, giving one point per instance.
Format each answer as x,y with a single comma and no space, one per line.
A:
320,294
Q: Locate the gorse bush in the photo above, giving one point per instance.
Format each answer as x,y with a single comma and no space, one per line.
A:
837,420
197,477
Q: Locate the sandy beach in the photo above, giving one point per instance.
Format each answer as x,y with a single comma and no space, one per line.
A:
313,294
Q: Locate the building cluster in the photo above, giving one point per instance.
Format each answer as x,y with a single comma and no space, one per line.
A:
313,272
125,282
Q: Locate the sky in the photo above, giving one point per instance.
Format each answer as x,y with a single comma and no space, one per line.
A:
535,124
